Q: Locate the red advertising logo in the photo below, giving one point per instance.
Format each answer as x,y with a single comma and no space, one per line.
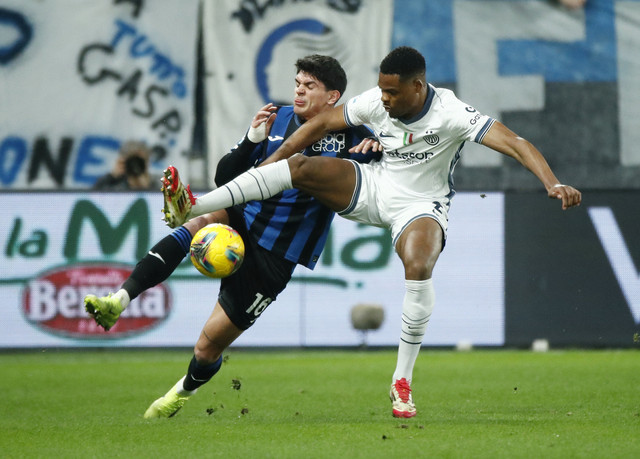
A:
54,302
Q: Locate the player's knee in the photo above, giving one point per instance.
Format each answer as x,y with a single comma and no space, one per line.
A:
417,269
196,223
301,169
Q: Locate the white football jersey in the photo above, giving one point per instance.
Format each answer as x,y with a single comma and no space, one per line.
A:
420,154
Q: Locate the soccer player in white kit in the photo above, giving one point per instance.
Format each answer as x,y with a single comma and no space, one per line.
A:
422,130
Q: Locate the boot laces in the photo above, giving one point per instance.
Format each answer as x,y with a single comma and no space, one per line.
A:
403,389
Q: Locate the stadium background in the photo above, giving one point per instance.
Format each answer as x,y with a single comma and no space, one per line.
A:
79,78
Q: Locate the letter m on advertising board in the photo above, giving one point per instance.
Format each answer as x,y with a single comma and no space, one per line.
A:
110,237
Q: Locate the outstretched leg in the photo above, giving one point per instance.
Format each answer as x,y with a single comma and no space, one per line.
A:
330,180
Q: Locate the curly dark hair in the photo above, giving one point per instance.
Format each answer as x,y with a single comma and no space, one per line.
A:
404,61
326,69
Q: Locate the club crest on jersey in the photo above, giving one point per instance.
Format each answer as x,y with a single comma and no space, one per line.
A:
431,139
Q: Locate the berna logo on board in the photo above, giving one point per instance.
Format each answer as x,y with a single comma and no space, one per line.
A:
54,302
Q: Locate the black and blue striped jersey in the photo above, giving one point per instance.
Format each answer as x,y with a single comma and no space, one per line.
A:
291,224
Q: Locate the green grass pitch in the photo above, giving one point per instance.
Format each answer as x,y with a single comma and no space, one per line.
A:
323,404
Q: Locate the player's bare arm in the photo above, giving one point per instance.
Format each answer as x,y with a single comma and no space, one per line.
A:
502,139
311,131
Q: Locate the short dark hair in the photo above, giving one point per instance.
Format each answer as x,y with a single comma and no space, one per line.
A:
326,69
404,61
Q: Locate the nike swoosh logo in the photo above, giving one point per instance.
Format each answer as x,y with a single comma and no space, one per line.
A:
198,380
382,134
157,255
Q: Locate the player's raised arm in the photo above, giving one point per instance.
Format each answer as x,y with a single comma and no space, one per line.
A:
311,131
505,141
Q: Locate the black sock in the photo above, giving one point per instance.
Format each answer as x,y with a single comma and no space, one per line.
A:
158,264
198,374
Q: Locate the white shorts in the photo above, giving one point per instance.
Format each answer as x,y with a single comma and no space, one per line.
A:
378,201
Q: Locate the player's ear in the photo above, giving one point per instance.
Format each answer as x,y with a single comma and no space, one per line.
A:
418,84
334,96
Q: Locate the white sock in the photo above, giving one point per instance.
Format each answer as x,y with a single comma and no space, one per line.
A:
123,296
182,391
419,300
254,185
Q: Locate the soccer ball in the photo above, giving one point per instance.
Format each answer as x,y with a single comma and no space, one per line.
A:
217,250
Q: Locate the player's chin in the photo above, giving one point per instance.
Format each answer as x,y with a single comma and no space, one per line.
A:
393,114
300,107
301,112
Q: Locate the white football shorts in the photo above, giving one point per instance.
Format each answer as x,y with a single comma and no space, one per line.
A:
379,202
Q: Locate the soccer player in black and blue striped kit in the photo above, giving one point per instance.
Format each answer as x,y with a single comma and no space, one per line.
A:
279,233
